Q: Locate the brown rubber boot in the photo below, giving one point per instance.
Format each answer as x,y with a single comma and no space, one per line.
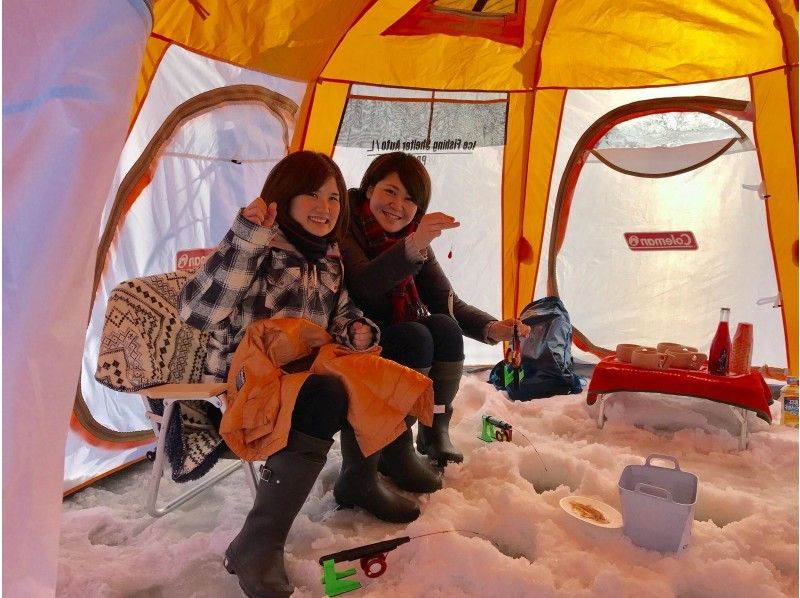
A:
358,485
256,554
435,441
400,462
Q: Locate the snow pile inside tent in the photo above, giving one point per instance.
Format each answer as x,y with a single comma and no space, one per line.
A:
511,537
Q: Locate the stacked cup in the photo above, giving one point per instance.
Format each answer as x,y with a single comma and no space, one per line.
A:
683,356
661,357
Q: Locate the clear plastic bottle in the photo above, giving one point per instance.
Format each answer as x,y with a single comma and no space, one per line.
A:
789,403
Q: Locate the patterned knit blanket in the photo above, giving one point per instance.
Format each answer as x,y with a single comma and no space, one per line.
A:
145,343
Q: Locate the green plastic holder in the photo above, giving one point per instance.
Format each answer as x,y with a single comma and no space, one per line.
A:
487,430
512,375
334,581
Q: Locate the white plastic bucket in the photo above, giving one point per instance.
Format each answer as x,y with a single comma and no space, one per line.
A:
658,505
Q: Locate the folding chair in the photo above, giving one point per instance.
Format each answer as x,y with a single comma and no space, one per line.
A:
147,349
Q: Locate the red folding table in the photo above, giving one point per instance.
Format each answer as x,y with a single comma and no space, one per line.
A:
743,392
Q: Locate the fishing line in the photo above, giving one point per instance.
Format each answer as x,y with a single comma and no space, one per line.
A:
534,448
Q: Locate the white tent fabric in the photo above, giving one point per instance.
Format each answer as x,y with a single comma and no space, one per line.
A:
719,202
74,72
195,191
645,306
663,160
466,181
584,107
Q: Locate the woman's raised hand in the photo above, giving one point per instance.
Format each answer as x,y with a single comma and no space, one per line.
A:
258,212
431,226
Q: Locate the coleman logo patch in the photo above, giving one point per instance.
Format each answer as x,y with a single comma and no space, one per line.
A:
675,240
191,259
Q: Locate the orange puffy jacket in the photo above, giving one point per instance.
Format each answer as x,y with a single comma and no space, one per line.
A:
261,396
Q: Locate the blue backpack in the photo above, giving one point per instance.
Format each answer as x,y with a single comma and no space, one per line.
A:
546,367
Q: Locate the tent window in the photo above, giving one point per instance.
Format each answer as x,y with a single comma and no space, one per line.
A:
382,125
718,202
667,129
478,7
667,143
210,152
498,20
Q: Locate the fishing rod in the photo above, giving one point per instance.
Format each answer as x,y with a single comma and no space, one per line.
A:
372,558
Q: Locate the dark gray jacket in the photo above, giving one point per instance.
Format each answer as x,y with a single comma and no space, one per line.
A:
370,282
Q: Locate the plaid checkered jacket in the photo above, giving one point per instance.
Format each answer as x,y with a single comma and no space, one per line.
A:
256,273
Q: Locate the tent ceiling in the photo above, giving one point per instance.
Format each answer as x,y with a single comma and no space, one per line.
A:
651,42
288,38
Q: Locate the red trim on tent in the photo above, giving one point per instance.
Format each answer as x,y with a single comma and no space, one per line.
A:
432,99
656,86
424,19
387,86
91,481
551,87
339,127
114,445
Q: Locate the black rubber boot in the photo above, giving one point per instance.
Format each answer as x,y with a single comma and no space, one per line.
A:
435,441
400,462
358,485
256,553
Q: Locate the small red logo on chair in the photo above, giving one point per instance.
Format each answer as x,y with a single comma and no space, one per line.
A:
676,240
191,259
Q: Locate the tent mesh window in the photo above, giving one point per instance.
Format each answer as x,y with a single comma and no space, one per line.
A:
481,7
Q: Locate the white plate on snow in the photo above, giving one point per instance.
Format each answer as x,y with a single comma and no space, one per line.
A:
592,511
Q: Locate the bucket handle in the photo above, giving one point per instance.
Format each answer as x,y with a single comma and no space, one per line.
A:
673,460
654,491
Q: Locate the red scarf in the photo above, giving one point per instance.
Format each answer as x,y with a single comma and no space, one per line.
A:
406,304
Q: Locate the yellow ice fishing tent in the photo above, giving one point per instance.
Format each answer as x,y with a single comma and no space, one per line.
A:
639,159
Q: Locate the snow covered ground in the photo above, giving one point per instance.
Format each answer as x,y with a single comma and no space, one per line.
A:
506,534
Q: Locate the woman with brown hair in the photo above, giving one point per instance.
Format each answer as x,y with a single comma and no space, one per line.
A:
280,261
393,275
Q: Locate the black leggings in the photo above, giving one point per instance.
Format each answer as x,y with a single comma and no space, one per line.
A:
418,344
321,408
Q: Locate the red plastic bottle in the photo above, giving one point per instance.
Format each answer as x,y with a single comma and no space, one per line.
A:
719,356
